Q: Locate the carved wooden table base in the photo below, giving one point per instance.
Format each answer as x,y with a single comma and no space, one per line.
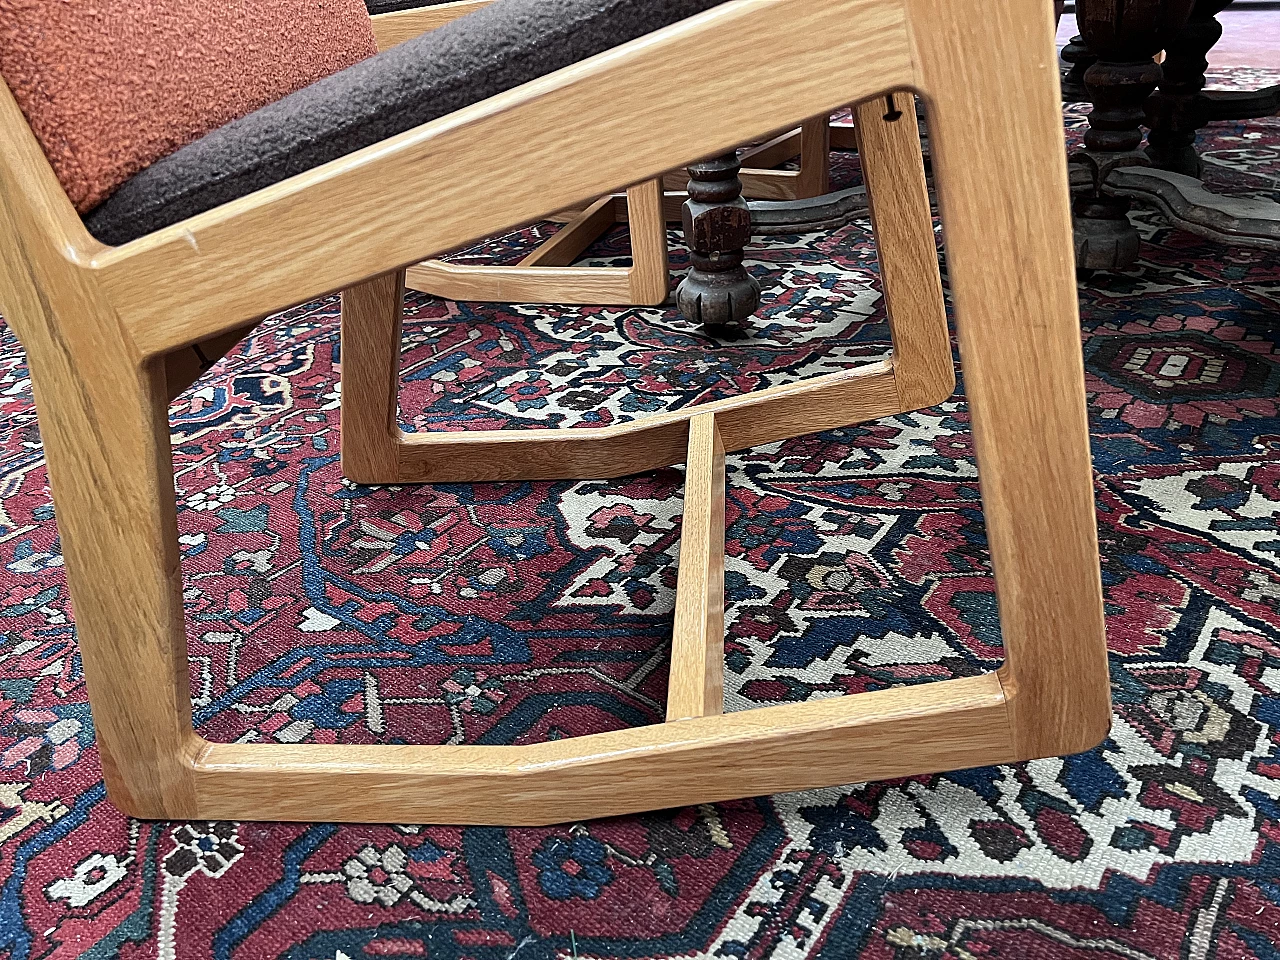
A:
1111,65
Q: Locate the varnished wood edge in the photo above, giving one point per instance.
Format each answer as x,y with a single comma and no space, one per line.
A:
391,29
695,686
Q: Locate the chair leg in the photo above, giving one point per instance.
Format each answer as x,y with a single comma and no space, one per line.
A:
1013,282
902,221
371,331
696,687
105,429
650,275
815,158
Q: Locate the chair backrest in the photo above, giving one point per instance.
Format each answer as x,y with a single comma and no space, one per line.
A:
110,86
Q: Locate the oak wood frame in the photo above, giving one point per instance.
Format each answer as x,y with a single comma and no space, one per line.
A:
547,274
99,322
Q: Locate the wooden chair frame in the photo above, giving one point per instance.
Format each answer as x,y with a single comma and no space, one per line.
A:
921,374
98,324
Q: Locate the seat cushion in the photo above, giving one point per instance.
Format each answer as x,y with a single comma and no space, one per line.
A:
111,86
478,56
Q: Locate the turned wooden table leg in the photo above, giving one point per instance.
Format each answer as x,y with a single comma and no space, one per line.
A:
1079,59
1105,239
1177,110
718,292
1125,35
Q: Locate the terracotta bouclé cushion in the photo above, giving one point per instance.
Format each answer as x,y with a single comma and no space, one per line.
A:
111,86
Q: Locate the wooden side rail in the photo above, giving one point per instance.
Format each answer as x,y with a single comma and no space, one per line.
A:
890,733
914,728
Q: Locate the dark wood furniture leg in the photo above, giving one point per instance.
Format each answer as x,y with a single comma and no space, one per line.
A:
1079,58
718,292
1182,106
1125,35
1178,108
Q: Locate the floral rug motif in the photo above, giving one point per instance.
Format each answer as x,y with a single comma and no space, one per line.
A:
323,612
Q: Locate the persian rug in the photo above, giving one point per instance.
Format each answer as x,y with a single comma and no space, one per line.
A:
323,612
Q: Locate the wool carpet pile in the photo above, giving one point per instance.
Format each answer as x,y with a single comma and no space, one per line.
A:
322,612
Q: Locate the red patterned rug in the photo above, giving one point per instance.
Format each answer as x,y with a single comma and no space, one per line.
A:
511,613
